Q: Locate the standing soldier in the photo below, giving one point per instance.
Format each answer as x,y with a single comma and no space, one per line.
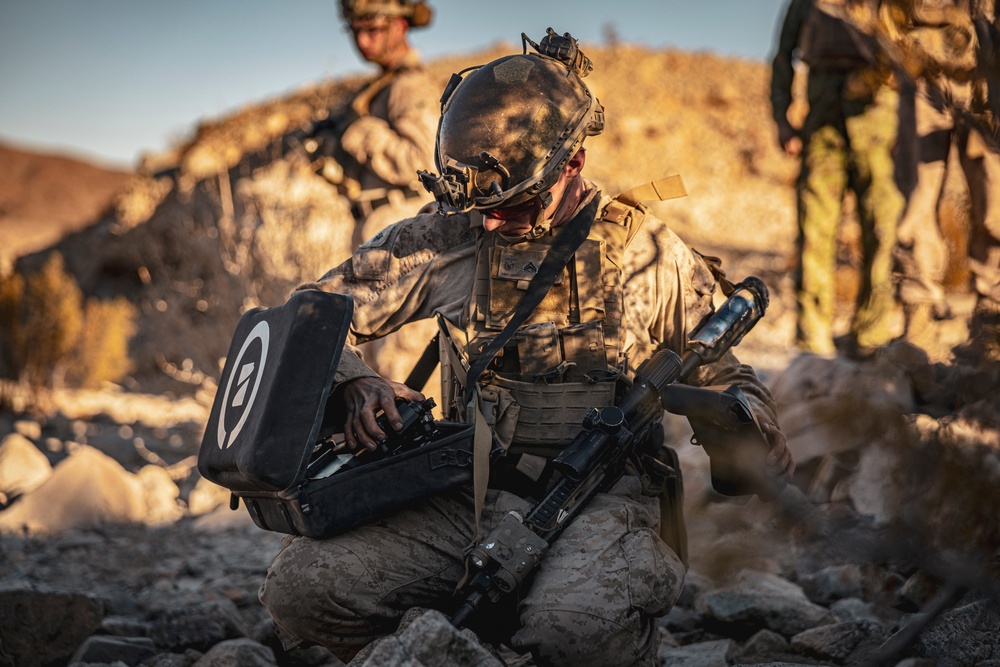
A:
371,150
846,142
374,147
938,43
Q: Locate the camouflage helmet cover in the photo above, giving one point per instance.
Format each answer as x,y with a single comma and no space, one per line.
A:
509,127
418,14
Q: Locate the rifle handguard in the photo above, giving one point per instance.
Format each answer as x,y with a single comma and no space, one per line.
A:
727,326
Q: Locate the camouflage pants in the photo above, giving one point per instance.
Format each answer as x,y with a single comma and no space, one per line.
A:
593,600
922,254
855,154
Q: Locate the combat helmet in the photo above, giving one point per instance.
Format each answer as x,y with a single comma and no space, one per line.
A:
508,127
417,14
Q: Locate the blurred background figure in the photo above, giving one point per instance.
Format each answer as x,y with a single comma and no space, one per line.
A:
375,146
845,142
950,49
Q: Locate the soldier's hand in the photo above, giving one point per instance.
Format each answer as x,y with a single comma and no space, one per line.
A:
780,465
364,398
789,139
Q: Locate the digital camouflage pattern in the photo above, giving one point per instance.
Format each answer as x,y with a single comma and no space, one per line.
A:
954,55
590,603
598,591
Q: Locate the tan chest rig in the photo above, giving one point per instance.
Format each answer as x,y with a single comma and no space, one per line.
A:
566,358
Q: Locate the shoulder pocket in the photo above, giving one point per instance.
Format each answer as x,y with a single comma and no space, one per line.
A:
371,260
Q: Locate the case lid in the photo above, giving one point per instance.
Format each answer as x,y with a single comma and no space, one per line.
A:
273,391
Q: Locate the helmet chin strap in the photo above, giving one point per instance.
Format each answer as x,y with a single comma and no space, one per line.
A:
540,227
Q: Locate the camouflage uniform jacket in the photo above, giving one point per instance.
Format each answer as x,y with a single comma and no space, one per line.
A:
426,265
385,147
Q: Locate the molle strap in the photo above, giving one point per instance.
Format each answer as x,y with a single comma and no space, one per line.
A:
714,265
361,104
622,208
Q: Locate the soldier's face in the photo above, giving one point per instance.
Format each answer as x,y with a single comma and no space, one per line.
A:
517,220
379,39
521,219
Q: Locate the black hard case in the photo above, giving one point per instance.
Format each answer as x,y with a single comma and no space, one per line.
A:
273,396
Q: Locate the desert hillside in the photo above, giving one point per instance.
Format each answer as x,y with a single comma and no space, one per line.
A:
231,219
43,197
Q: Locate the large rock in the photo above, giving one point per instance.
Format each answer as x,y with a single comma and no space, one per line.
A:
206,496
38,629
238,653
105,650
426,638
832,583
757,601
963,636
841,641
829,406
199,626
85,490
715,653
160,493
23,468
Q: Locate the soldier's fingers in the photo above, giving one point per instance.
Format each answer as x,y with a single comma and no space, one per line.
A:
406,393
388,405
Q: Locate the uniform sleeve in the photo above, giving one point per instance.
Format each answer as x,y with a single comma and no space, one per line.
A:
407,272
682,288
782,69
396,147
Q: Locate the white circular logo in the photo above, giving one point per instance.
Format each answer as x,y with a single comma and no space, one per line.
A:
248,369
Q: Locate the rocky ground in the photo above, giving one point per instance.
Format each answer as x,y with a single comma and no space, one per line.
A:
119,554
882,552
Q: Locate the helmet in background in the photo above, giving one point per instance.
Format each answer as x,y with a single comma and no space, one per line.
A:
418,14
509,127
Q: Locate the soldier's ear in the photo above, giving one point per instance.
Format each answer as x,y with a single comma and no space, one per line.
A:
575,164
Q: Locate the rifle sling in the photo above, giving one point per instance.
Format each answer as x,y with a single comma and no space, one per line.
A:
574,233
566,244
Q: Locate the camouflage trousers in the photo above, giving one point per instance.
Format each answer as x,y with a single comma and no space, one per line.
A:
922,253
855,154
593,600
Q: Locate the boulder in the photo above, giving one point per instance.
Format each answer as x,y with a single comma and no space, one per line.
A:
829,406
840,641
832,583
963,636
40,628
716,653
104,649
199,626
757,601
206,496
85,490
238,653
23,468
160,494
426,638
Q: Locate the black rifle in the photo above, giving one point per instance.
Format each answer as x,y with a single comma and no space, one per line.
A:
318,138
612,436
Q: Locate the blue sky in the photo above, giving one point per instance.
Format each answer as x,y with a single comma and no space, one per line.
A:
107,80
